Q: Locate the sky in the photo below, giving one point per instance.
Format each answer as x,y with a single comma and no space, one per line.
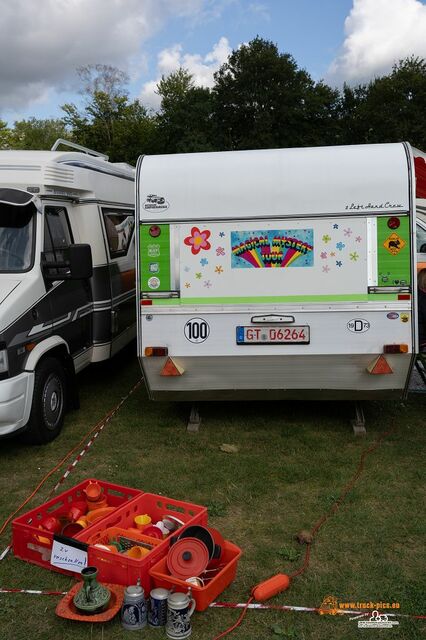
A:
42,42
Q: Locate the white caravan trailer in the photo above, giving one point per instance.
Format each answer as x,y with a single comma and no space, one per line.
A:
63,304
286,273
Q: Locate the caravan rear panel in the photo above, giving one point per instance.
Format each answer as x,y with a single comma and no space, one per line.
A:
283,273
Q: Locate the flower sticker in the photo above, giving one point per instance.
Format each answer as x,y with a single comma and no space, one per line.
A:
323,255
219,269
198,240
326,238
203,262
340,246
354,256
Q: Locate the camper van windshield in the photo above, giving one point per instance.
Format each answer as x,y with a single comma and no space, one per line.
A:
16,237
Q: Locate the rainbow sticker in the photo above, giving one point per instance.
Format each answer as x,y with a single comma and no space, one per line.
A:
275,248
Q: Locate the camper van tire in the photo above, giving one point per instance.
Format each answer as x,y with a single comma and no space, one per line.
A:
49,402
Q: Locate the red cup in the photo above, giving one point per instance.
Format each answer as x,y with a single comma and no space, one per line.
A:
77,510
51,524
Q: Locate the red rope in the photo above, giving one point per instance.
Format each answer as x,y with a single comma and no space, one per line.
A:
346,489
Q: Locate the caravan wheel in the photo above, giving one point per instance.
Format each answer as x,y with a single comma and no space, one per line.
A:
49,402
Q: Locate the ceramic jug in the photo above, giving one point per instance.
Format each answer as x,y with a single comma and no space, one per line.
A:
133,610
180,607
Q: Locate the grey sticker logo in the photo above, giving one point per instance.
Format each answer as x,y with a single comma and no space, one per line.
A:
153,250
357,325
154,202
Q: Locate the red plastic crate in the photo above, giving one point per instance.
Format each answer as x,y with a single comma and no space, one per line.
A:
25,529
203,596
120,569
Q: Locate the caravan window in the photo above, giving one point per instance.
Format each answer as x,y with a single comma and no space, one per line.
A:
17,232
119,226
57,234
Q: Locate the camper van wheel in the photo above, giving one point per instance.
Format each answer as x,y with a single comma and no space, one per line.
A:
49,402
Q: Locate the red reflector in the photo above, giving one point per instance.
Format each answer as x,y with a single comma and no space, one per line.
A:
154,231
393,223
379,366
395,348
145,303
156,351
171,368
404,296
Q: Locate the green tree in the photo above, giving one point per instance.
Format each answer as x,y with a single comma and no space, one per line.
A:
5,136
37,134
262,99
108,122
184,119
389,109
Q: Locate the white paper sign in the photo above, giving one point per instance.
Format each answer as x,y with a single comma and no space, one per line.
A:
68,555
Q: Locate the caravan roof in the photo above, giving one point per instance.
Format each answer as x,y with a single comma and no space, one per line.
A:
294,182
50,171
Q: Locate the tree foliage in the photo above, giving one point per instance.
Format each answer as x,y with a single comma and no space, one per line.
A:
260,99
390,108
37,134
184,120
109,122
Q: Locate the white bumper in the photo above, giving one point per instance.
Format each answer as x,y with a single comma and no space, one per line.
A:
16,395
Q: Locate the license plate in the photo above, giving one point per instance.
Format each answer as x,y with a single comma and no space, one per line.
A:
273,335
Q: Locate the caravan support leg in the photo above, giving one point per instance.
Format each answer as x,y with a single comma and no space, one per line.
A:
358,424
194,420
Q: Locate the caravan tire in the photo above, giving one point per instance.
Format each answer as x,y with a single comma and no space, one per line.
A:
49,402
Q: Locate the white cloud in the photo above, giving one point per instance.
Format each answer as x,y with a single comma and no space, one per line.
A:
378,34
202,68
42,43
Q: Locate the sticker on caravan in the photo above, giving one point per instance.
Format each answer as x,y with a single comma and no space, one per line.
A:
272,248
197,330
155,203
394,244
357,325
154,282
153,250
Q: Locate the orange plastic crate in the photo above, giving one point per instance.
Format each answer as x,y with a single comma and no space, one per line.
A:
35,545
120,569
205,595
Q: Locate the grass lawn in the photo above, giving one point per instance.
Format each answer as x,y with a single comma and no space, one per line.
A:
292,462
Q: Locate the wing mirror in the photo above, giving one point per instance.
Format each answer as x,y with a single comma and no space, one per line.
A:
79,265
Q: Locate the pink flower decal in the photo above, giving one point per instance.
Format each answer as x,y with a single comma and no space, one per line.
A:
198,240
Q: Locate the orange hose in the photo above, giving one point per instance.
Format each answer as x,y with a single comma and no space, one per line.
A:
280,582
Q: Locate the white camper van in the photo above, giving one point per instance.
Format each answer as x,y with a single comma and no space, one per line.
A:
67,278
286,273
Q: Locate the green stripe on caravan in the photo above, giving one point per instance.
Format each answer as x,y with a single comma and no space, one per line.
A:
368,297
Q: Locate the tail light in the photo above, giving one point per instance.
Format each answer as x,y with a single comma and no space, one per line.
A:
152,352
395,348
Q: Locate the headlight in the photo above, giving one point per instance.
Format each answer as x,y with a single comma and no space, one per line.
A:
4,365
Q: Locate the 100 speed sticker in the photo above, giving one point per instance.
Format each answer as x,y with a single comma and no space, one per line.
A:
196,330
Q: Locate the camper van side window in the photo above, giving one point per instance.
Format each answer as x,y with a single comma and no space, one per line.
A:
119,226
57,234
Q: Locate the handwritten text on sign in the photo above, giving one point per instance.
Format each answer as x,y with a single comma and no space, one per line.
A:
67,556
